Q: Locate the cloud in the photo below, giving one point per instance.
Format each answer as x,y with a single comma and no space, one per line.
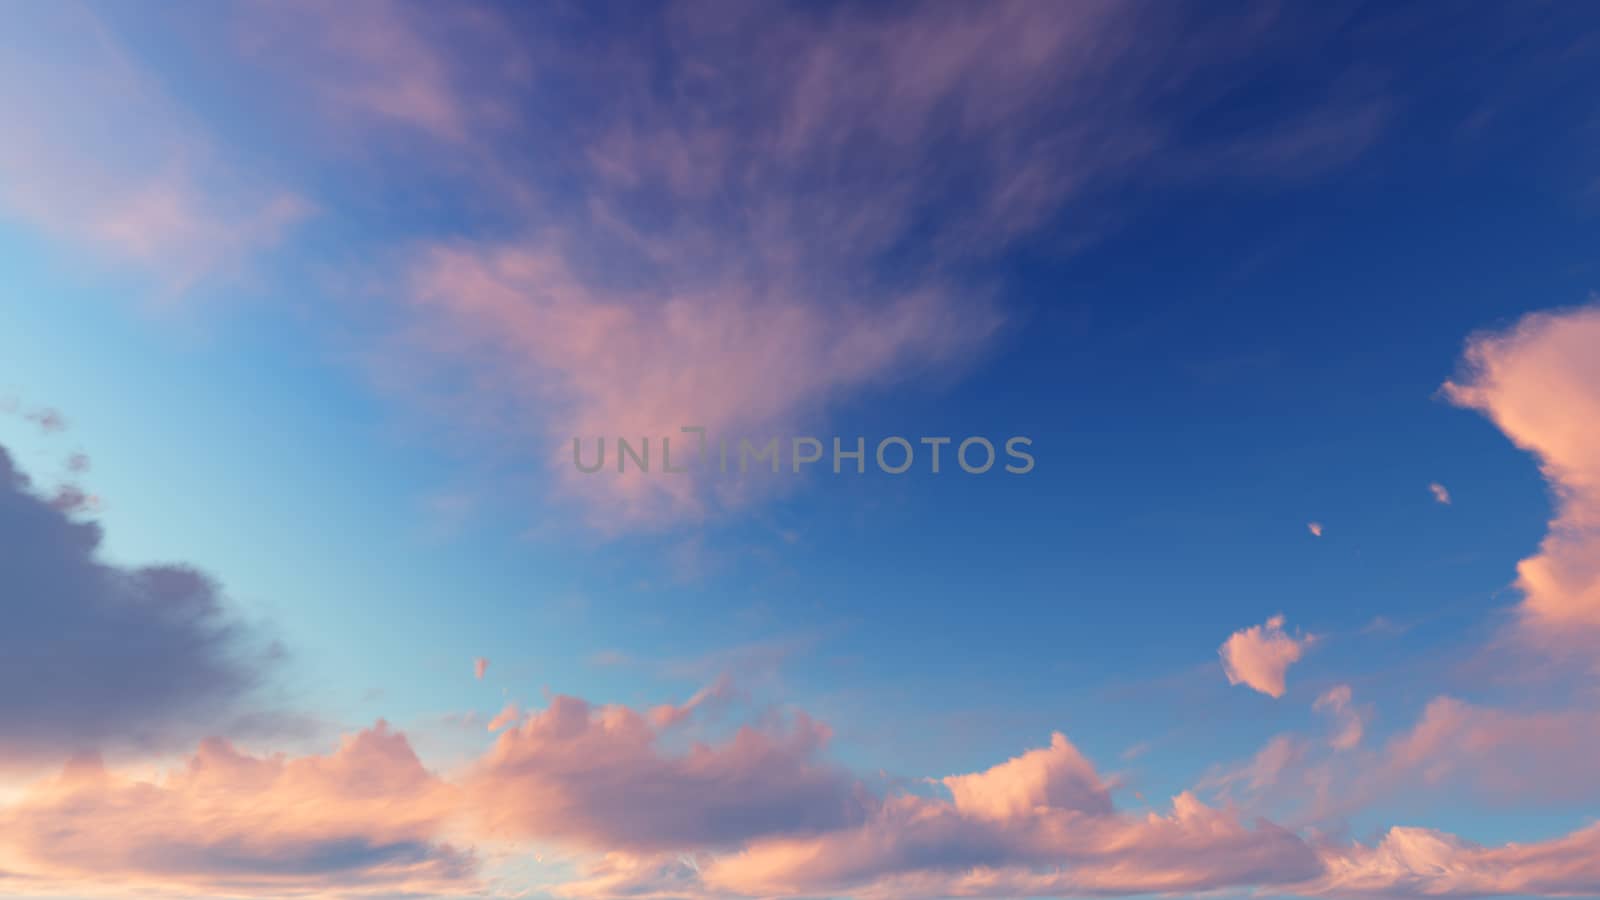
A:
479,667
1539,382
96,154
366,818
1038,825
1259,656
1421,862
92,653
732,358
507,714
1440,493
1514,756
1058,777
50,421
607,778
1506,759
1350,724
1315,528
776,215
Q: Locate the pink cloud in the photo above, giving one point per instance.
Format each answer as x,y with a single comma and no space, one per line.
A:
366,818
1058,777
607,778
508,714
1420,862
1349,722
479,667
713,254
1441,494
737,360
1518,756
1539,382
1259,656
1504,758
1038,825
95,153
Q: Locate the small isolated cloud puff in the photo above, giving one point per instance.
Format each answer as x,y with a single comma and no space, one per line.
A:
479,667
1315,528
1260,655
1539,382
1441,494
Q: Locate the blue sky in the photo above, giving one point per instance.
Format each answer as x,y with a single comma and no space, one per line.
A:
323,292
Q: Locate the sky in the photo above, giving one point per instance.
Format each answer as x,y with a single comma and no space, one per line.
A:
1280,320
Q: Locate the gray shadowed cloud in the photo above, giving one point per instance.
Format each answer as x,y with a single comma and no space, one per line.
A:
93,654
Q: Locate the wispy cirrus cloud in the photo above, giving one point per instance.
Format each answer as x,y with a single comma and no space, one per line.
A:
1349,721
1505,758
641,808
97,154
778,213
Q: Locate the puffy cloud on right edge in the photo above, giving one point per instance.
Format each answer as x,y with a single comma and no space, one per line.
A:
1539,382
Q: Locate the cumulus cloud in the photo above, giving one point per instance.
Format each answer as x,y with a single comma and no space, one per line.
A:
608,778
1058,777
652,813
1259,656
1539,382
92,653
1315,528
1441,494
1037,825
1421,862
480,666
603,363
1508,755
366,818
